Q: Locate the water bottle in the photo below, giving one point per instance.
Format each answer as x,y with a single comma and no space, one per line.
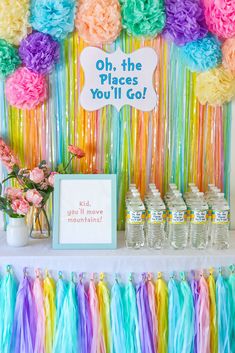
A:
135,220
220,223
155,224
198,224
177,218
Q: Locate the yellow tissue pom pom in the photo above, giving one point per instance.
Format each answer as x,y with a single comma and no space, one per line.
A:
215,87
14,20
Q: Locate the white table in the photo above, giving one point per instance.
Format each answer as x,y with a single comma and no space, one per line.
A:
121,261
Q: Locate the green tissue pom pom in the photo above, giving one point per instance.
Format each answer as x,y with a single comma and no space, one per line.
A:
9,58
143,17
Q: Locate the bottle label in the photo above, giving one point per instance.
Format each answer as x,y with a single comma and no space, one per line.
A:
221,217
156,217
199,217
177,217
137,217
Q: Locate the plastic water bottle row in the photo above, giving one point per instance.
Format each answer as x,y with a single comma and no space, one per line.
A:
195,219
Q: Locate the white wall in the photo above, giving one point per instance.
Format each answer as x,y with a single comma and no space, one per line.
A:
232,175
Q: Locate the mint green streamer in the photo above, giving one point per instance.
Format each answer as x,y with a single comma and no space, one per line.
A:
174,308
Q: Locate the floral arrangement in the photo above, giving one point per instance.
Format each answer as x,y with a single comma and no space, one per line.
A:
199,27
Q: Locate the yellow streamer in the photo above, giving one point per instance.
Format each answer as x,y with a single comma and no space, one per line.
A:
50,311
161,291
213,320
104,308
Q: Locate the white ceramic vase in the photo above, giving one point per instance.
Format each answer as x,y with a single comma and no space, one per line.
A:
17,232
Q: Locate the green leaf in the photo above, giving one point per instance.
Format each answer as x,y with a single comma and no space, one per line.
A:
60,168
42,164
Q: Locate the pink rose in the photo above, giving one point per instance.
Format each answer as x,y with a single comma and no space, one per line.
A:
13,193
34,197
36,175
51,178
20,206
76,151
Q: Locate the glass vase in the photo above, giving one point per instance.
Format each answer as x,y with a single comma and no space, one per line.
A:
40,226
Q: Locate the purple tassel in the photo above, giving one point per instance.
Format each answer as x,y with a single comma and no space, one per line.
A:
145,319
24,326
195,293
84,318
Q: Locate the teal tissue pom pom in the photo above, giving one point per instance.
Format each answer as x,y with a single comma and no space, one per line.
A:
54,17
9,58
143,18
203,54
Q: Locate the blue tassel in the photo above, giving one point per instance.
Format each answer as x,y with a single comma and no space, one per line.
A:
174,310
231,282
8,292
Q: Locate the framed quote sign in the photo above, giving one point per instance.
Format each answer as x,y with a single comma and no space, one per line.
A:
85,211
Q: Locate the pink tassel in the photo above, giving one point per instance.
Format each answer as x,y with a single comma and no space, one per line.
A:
153,308
97,344
203,317
40,312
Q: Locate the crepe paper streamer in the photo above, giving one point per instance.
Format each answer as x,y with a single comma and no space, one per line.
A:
39,52
203,54
84,322
26,89
188,27
223,313
161,291
104,310
213,313
9,58
66,335
50,310
97,340
55,17
98,21
143,18
24,325
203,315
174,308
231,283
132,323
228,51
215,87
153,308
145,319
195,293
38,294
117,311
14,20
61,292
184,334
220,17
8,290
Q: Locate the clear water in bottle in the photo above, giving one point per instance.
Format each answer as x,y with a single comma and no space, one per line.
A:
155,224
135,221
177,218
220,223
198,224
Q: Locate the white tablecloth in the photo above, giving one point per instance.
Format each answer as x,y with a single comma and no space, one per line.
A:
121,261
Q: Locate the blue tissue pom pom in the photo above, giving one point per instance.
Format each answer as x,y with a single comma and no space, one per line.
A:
202,54
54,17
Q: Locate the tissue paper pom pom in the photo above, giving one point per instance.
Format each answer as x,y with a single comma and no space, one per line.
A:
220,17
215,87
98,21
9,58
39,52
143,17
203,54
26,89
185,21
54,17
228,50
14,20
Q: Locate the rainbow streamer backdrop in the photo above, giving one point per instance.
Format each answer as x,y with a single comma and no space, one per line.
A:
180,141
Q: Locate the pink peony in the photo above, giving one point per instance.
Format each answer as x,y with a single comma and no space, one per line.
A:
76,151
37,175
20,206
51,178
34,197
6,156
13,193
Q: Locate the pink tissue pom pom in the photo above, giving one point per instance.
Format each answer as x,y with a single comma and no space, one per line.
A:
98,21
26,89
228,51
220,17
